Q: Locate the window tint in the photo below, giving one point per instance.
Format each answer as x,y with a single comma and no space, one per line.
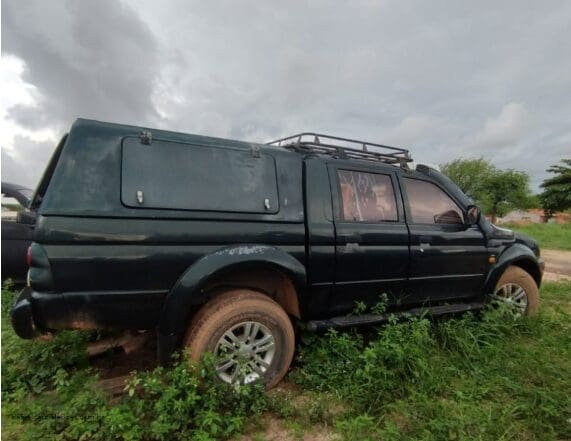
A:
430,205
366,197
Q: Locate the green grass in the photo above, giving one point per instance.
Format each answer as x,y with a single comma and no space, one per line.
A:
554,236
487,378
465,378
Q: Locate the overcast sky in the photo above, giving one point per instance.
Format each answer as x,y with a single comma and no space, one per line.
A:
445,79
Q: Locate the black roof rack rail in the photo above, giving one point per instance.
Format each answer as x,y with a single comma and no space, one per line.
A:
341,148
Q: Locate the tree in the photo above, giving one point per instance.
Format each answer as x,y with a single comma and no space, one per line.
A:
471,175
507,190
556,195
496,191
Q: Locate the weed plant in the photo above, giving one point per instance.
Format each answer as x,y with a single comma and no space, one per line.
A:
488,376
478,376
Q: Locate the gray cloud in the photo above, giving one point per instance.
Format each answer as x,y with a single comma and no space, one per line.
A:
25,164
447,79
92,59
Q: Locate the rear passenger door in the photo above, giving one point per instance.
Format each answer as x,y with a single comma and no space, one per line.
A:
371,245
448,258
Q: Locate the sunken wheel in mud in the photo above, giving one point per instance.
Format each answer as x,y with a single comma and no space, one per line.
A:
250,335
517,289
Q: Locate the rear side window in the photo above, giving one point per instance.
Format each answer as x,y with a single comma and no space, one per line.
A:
430,205
366,197
169,175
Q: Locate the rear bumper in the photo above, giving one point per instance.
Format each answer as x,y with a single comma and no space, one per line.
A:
22,317
36,312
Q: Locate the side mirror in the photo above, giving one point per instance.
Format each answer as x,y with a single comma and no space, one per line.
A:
26,217
473,214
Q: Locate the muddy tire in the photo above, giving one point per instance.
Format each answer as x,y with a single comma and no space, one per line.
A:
251,336
516,287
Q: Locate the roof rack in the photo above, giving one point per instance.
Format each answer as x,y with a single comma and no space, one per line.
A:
343,148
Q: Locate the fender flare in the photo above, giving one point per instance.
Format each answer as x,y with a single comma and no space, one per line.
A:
517,254
187,291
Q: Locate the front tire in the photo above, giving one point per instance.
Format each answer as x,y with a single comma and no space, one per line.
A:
250,335
517,289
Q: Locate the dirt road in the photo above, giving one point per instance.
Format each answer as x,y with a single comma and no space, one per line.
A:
557,264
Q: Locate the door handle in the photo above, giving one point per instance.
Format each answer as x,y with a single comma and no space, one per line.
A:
350,246
424,243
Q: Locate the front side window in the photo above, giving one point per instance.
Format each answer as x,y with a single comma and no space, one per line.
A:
366,197
430,205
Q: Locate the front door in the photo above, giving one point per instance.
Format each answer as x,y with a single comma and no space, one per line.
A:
448,258
371,246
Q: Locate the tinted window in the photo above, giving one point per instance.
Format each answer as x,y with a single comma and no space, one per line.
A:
366,197
430,205
193,177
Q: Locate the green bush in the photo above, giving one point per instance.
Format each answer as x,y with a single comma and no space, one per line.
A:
31,365
478,376
180,403
367,373
64,402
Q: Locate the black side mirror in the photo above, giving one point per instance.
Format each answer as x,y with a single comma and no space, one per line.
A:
473,214
26,217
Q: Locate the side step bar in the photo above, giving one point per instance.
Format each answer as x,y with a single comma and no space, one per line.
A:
350,321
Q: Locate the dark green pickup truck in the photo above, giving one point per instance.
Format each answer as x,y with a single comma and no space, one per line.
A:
227,246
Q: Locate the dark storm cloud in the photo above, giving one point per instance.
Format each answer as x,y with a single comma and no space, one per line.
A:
93,59
447,79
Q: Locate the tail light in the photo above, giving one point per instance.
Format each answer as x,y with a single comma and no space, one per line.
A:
39,273
29,257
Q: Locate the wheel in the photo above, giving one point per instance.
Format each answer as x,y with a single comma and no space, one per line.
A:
250,335
517,289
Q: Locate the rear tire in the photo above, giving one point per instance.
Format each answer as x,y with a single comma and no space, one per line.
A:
249,333
517,288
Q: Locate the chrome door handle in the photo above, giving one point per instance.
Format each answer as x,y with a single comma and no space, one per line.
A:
423,246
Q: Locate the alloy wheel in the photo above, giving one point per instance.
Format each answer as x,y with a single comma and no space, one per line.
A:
512,295
244,353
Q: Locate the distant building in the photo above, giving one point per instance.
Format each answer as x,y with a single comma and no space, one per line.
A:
533,216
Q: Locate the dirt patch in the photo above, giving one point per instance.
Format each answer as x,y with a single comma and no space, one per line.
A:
116,363
276,430
557,265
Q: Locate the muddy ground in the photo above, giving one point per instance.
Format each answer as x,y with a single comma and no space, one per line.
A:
557,264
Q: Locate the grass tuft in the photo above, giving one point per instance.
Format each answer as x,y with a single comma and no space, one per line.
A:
553,236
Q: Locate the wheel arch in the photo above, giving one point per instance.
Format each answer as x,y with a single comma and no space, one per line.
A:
516,255
267,269
530,267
